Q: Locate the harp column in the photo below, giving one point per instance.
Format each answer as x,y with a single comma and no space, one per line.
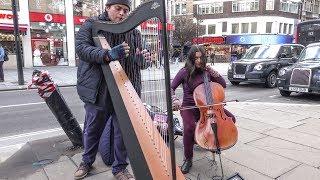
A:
70,34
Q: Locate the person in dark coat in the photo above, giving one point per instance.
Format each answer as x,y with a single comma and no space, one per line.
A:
93,90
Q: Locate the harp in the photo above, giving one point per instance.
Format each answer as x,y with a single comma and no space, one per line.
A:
150,156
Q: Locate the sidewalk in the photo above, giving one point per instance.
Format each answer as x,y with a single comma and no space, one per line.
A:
67,76
276,141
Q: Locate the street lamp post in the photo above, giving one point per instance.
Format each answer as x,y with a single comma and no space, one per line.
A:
17,42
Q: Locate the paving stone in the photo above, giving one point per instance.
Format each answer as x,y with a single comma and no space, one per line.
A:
270,116
253,125
310,126
246,136
107,175
301,172
205,169
259,160
38,175
60,170
296,137
289,150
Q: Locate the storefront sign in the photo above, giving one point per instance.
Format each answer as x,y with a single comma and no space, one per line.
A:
54,18
259,39
209,40
6,16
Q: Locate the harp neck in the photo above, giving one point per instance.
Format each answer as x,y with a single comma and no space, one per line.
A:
147,10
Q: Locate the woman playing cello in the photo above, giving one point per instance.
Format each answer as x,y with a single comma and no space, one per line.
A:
190,77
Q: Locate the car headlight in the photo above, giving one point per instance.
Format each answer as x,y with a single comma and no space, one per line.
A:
258,67
282,71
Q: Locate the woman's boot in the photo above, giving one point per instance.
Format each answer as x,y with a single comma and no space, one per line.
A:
186,166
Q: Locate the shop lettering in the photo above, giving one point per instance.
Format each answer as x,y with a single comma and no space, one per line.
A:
6,16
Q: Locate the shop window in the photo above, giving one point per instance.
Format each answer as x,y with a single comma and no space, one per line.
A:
290,29
254,27
290,6
47,6
285,26
270,5
235,28
244,27
280,27
211,29
49,46
224,26
7,5
245,5
269,27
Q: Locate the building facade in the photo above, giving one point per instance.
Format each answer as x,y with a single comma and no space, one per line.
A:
47,29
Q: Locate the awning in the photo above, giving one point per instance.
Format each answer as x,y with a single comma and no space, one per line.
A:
10,27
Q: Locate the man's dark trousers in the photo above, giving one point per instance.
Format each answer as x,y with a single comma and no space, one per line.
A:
95,122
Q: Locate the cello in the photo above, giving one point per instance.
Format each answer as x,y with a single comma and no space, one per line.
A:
215,131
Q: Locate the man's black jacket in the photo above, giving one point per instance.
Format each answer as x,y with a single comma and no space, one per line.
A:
91,85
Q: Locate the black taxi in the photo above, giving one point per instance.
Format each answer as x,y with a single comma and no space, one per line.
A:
261,63
303,76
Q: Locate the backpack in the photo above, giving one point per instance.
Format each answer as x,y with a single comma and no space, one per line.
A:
6,58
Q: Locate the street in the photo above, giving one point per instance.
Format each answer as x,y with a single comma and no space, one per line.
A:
23,111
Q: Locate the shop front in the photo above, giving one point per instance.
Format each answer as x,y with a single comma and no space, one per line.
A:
240,43
216,47
7,38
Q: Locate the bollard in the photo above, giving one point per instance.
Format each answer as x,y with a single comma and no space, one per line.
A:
56,103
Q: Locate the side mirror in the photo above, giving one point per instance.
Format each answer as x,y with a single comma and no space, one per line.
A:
294,60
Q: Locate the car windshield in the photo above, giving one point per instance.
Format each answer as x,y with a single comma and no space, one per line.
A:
310,54
262,52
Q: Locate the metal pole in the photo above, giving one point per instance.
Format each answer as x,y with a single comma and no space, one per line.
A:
168,91
17,43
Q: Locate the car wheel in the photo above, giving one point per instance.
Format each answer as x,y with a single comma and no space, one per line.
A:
271,81
235,83
285,93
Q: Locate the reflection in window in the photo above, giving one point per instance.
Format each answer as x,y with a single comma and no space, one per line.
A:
6,5
244,27
87,8
47,6
211,29
270,5
310,54
235,28
268,27
254,27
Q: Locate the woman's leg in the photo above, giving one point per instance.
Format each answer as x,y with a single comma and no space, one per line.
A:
189,126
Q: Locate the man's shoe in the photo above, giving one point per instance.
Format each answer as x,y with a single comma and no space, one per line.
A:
186,166
82,171
124,175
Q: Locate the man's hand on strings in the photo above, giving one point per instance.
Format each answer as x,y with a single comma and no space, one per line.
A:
118,52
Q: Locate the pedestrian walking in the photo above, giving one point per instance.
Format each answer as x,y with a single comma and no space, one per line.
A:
93,90
190,77
3,57
212,56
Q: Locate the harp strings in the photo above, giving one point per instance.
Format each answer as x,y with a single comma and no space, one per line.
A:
154,87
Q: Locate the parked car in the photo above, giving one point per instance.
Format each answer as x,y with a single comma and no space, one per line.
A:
303,76
261,63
